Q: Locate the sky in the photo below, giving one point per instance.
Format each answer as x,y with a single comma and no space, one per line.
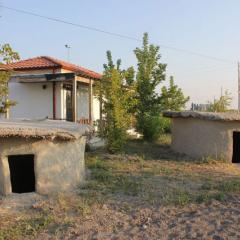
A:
206,27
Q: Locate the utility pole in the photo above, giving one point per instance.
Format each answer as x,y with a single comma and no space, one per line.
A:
68,51
238,86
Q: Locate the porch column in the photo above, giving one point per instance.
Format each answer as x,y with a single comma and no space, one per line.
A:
74,100
90,100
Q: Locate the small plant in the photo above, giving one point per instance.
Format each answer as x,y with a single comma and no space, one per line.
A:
219,158
95,163
229,186
178,197
208,196
128,185
83,207
207,160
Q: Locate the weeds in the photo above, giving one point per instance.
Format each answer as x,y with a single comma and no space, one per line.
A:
109,182
26,228
220,158
208,196
229,186
177,197
84,207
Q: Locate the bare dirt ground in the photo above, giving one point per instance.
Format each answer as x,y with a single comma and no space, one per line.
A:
148,192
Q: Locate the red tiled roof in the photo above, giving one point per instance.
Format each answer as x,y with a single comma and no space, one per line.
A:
44,62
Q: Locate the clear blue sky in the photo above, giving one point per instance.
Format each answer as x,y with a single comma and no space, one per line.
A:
208,27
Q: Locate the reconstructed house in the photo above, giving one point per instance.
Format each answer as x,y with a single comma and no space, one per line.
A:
43,156
45,87
205,134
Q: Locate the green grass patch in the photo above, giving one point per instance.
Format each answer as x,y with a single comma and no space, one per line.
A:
110,182
177,197
208,196
229,186
28,228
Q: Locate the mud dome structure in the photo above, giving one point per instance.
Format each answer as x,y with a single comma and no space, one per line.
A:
205,134
42,156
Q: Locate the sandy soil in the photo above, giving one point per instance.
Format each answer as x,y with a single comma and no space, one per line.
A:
213,220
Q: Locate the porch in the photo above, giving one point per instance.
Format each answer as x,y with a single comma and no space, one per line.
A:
70,96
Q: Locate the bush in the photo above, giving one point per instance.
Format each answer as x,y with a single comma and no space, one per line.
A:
155,125
165,124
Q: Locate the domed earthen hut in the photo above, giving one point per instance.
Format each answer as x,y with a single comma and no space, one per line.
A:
205,134
42,156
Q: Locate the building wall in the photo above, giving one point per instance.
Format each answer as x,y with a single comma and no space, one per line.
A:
203,138
32,100
58,166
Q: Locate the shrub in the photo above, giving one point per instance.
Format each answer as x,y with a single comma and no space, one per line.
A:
155,125
165,124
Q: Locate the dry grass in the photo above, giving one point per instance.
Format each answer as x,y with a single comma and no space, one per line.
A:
146,176
153,173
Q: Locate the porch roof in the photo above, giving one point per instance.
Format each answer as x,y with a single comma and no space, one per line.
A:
36,78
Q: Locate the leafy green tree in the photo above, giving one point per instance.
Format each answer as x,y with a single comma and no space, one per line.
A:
7,55
115,95
172,97
222,104
150,73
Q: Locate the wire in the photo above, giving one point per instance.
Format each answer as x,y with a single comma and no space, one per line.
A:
116,34
71,23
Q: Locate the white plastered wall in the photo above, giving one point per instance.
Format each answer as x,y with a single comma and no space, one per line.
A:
33,101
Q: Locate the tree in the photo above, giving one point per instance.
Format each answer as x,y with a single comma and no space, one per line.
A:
114,95
172,98
150,73
7,55
222,104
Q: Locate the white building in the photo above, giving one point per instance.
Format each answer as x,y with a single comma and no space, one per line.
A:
45,87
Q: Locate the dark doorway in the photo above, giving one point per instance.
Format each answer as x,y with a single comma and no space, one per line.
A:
22,173
236,147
